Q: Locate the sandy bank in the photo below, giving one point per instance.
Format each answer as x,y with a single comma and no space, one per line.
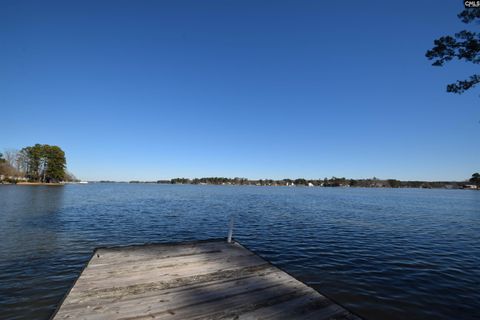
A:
39,184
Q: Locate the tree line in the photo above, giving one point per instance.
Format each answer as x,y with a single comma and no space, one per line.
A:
329,182
39,163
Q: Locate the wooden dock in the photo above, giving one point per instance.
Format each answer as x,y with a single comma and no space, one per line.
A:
198,280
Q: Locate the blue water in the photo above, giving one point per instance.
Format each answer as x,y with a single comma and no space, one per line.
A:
383,253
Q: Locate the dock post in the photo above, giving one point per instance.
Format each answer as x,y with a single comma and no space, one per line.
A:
230,230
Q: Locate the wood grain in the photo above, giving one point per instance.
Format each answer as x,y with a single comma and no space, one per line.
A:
202,280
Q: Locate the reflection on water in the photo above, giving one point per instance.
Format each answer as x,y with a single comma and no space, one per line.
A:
29,217
29,235
385,253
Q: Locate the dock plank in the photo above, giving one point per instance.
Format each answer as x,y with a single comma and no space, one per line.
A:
201,280
204,262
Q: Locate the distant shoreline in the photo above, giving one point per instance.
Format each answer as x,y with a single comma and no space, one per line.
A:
231,185
342,183
39,184
453,185
26,183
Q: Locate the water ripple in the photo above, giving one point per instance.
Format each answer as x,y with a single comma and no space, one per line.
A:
384,253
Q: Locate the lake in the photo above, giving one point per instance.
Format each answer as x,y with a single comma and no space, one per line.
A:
383,253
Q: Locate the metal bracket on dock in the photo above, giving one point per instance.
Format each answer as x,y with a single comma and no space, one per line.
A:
230,230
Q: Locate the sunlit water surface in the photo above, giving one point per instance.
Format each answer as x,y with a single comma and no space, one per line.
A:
383,253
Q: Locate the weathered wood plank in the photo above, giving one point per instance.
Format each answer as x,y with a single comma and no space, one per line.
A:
167,273
135,253
187,288
97,272
179,284
283,309
204,280
187,299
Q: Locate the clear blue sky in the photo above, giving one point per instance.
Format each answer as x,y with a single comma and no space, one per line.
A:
257,89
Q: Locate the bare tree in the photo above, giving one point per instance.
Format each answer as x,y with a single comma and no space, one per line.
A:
11,155
5,168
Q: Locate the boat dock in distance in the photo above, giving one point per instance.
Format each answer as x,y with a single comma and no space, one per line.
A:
192,280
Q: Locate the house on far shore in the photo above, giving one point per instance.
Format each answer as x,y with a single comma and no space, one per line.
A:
4,177
470,186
